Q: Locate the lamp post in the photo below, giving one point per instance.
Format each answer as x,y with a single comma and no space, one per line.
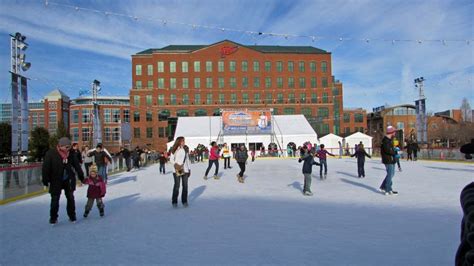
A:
19,95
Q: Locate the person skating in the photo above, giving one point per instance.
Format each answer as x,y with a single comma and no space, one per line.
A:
101,158
163,160
322,155
397,157
360,154
126,156
86,159
308,160
59,173
136,157
180,160
95,191
226,155
415,149
388,159
213,159
241,157
252,153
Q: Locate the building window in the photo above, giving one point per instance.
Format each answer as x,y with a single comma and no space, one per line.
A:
291,98
185,99
126,116
75,116
209,83
138,84
220,66
197,98
301,66
197,66
269,98
280,83
245,82
209,98
75,134
162,132
115,115
221,82
150,84
314,98
325,97
359,118
161,83
200,112
185,83
161,99
256,82
149,132
184,67
280,98
245,66
148,99
233,82
197,83
312,66
107,115
138,70
256,98
85,134
268,82
136,132
136,100
150,70
245,98
279,66
107,134
313,82
161,67
116,134
149,116
324,82
324,129
291,66
233,98
208,66
136,116
221,98
172,67
306,112
324,66
347,118
182,112
302,97
232,66
302,83
289,111
172,83
323,112
291,82
268,66
173,99
86,115
256,66
347,130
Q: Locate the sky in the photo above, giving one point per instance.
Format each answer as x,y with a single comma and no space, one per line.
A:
71,43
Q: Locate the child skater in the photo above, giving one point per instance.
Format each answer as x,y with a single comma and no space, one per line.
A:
96,191
308,160
241,156
397,157
360,155
163,160
322,155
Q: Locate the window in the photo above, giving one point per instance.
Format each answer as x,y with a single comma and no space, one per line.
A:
233,82
86,115
173,99
268,98
280,83
184,67
347,117
324,82
233,98
209,83
301,66
161,67
136,100
347,130
245,82
136,116
209,98
149,132
289,111
232,66
136,132
150,84
256,98
324,66
256,66
138,70
185,99
161,83
312,66
221,98
75,134
197,83
75,116
359,118
279,66
268,82
126,116
107,134
181,113
256,82
197,66
280,98
172,83
148,100
245,98
85,134
268,66
302,83
291,97
116,134
291,66
138,84
185,83
220,66
314,98
323,112
161,132
200,112
107,115
149,116
208,66
150,70
245,66
302,97
324,129
115,115
325,97
172,67
197,98
313,82
161,99
291,82
306,112
221,82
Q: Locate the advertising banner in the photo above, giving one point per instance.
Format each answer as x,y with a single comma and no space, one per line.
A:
421,120
24,116
15,113
97,134
245,121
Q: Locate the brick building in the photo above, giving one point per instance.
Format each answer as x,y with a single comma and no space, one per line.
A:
354,120
198,80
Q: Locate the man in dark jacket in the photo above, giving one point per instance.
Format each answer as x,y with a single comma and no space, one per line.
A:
126,156
101,159
59,172
241,156
388,159
308,161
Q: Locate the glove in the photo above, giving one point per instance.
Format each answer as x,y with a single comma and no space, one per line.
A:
299,160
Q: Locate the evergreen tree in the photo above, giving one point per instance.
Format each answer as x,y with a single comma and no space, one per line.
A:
39,143
5,140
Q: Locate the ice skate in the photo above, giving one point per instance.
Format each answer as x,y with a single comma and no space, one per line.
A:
205,178
216,177
86,213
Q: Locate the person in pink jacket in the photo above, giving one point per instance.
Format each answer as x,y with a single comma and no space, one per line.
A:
213,159
96,191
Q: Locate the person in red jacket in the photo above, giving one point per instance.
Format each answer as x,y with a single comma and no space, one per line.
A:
96,191
213,159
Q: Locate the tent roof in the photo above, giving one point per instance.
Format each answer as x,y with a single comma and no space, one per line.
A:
331,136
359,135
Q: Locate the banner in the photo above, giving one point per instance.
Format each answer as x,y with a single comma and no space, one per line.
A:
246,122
24,115
421,121
15,113
97,136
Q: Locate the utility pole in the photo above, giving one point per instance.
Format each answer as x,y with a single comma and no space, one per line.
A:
421,119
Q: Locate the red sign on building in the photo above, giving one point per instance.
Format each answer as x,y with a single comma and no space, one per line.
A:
226,50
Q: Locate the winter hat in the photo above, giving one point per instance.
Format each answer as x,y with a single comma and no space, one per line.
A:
64,142
390,130
93,168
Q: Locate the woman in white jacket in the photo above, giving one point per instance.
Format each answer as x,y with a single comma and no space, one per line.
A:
180,160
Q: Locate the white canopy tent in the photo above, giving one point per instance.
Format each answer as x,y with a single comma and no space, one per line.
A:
358,137
204,129
330,142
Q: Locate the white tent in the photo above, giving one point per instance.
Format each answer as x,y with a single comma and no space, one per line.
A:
204,129
330,142
358,137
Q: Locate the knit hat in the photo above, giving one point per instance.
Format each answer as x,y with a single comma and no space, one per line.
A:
390,130
64,141
93,168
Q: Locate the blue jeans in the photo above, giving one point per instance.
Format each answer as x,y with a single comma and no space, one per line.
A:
387,182
102,171
211,162
323,163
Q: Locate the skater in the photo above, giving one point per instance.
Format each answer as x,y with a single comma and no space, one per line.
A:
101,158
409,151
252,153
163,160
95,191
136,157
415,149
213,159
59,173
86,159
322,155
180,159
241,157
397,157
360,154
226,155
126,156
340,149
308,160
388,159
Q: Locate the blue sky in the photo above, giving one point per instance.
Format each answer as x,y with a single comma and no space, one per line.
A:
70,48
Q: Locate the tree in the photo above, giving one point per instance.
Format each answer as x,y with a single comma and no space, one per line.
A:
61,130
5,140
466,111
39,143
